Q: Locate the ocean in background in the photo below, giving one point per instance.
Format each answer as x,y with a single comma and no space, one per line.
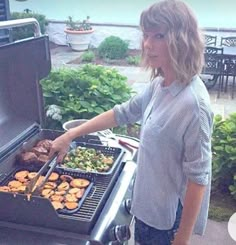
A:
210,13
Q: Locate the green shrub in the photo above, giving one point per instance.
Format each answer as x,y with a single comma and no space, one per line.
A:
113,48
82,93
224,154
28,30
88,56
134,60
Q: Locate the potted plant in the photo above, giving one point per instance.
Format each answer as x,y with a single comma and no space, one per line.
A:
78,34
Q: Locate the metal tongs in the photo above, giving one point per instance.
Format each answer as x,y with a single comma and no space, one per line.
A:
107,133
33,187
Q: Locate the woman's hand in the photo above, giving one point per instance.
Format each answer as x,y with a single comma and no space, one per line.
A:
61,145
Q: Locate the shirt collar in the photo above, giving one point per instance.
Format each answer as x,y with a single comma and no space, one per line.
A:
175,88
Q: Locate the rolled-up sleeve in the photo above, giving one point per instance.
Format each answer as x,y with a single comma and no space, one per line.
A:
131,111
197,146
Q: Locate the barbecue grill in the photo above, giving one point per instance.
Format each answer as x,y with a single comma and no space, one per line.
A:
104,215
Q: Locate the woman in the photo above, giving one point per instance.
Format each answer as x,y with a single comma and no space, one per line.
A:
171,190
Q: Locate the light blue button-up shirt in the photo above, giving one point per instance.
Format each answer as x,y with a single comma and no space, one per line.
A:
175,145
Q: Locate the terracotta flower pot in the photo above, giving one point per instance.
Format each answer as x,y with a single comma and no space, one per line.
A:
79,40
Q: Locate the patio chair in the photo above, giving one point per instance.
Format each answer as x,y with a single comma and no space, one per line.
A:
228,41
213,65
213,50
210,40
229,64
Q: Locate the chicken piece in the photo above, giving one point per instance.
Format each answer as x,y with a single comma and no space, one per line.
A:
45,144
42,159
28,157
39,150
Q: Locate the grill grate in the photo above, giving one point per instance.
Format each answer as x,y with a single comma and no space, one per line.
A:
98,195
93,203
81,221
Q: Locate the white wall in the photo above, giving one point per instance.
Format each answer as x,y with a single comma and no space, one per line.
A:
131,34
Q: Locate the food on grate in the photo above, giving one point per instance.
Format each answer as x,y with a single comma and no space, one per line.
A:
23,180
14,184
38,150
45,143
31,175
57,198
28,157
71,198
80,183
53,177
22,174
42,159
63,186
57,205
47,192
62,194
4,188
73,190
80,193
65,177
38,154
50,185
88,159
71,205
21,188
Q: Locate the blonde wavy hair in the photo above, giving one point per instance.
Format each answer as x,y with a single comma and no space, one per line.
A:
184,38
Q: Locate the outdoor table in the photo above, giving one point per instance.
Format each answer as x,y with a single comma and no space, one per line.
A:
229,55
229,51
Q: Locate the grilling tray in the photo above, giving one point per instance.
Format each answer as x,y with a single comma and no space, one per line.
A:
22,66
105,153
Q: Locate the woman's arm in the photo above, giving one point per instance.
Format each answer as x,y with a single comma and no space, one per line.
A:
191,208
61,144
100,122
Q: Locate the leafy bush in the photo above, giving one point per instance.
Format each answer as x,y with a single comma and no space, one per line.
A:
88,56
28,30
113,48
224,154
82,93
134,60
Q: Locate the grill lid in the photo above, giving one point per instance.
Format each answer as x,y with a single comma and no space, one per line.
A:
22,65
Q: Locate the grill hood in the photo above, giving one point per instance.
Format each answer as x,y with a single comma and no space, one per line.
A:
22,65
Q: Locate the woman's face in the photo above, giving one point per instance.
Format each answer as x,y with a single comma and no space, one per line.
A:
156,49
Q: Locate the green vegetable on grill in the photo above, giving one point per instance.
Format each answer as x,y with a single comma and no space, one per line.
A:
88,159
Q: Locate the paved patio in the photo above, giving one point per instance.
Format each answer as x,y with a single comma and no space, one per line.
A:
216,232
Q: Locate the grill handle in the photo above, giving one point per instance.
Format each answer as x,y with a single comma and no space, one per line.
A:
22,22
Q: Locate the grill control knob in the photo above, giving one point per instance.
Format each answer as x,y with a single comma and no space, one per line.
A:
120,233
127,204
